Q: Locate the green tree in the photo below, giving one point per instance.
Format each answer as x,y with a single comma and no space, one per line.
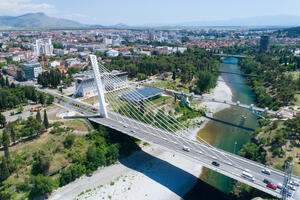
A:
38,116
6,143
2,120
42,184
69,141
60,89
46,122
20,109
12,133
42,99
4,170
50,99
41,163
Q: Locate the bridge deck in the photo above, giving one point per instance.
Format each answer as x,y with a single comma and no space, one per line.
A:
203,153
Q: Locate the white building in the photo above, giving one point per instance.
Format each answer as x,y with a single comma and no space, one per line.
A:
86,86
43,46
54,64
107,41
112,53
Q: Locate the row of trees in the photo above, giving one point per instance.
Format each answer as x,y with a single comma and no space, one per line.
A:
12,95
54,78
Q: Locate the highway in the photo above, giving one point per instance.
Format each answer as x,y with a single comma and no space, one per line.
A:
230,165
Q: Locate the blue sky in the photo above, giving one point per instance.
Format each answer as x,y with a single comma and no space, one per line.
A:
139,12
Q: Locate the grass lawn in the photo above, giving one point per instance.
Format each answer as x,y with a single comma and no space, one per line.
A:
76,124
170,84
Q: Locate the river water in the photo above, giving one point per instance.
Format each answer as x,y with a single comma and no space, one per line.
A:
224,136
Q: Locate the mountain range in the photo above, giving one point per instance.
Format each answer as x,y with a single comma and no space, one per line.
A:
36,20
40,20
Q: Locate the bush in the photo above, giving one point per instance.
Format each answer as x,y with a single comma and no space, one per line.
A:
42,184
71,173
69,141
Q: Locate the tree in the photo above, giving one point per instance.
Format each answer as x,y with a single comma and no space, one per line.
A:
7,82
4,170
42,163
12,133
20,109
41,98
69,141
60,89
5,143
50,99
42,184
38,116
45,122
2,120
174,75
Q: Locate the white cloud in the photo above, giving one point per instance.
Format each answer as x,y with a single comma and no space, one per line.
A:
17,7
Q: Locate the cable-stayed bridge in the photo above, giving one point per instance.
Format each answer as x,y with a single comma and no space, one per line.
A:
128,111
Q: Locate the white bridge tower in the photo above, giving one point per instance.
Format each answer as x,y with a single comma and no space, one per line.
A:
100,88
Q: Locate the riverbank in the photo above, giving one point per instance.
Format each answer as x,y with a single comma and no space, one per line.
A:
221,91
151,173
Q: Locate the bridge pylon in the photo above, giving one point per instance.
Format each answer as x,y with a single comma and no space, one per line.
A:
99,85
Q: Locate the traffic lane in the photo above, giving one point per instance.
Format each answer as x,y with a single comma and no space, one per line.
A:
207,160
145,136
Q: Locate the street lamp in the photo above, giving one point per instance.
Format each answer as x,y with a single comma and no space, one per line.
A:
235,143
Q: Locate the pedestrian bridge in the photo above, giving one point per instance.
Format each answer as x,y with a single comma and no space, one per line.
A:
229,55
144,120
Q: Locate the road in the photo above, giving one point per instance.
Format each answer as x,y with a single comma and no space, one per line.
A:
230,165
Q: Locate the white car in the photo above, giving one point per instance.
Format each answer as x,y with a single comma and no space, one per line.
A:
291,187
125,126
295,183
266,171
132,131
186,149
279,186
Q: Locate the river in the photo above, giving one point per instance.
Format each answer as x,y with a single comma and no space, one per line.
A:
214,185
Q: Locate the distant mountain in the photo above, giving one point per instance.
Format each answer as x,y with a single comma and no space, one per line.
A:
36,20
277,20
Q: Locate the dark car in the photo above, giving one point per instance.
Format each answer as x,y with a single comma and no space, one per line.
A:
266,181
215,163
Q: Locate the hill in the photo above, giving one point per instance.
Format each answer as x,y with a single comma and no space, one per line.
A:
291,32
36,20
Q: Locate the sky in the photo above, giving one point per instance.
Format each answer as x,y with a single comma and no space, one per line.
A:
141,12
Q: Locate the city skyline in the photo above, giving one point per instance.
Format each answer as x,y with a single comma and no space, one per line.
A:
135,12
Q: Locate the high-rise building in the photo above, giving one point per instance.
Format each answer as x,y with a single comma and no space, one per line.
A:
32,70
264,43
43,46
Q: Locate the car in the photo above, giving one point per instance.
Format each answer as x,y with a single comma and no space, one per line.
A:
125,126
132,131
266,181
295,183
215,163
272,186
266,171
279,186
289,193
291,187
186,149
58,102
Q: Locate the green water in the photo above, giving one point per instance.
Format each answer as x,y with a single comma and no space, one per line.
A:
224,136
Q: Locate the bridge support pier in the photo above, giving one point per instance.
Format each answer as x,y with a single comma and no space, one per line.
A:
100,87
